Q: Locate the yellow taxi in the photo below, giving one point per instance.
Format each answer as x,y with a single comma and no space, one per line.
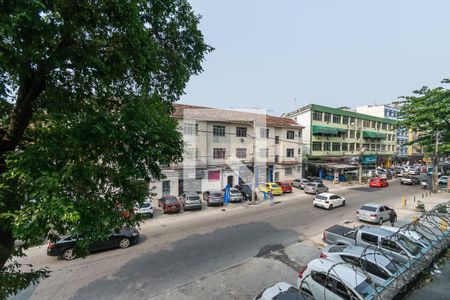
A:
275,187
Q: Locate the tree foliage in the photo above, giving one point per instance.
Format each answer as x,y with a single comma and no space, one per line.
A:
428,112
85,99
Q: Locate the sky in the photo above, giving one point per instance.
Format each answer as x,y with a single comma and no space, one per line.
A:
280,55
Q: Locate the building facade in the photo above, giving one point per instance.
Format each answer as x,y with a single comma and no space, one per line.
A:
405,136
338,136
227,147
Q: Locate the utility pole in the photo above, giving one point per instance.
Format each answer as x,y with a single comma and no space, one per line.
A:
254,164
435,164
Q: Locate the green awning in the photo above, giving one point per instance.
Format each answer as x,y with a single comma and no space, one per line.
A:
373,135
325,130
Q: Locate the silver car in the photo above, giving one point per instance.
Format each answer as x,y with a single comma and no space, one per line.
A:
236,195
374,213
213,197
315,188
190,200
377,265
300,183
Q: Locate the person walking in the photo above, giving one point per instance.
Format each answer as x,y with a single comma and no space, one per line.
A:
271,196
393,218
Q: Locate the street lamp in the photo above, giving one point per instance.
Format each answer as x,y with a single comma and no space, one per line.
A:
360,164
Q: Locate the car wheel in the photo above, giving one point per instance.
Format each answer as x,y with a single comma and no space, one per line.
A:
380,221
124,243
343,203
68,254
331,206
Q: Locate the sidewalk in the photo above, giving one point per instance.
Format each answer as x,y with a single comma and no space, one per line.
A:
437,289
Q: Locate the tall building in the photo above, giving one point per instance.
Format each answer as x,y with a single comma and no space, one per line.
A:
227,147
404,151
337,138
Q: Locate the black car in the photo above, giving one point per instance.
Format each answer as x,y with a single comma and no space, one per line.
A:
64,247
246,191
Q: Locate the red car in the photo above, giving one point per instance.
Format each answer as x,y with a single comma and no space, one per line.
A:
285,186
378,182
169,204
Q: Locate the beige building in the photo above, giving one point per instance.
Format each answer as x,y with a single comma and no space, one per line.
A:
220,146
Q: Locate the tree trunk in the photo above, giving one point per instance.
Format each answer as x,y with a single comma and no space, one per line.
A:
20,117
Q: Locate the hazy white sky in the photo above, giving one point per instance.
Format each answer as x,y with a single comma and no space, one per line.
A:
282,54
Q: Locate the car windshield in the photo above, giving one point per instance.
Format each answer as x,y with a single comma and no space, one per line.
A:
146,204
409,245
274,185
193,198
311,184
321,197
368,208
285,184
364,289
245,189
216,194
171,200
235,192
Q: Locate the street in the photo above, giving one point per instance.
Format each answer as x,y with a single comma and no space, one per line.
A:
177,249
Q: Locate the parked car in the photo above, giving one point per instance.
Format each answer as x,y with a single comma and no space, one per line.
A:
169,204
145,208
443,180
65,247
213,198
315,188
283,291
190,200
413,235
378,182
378,266
409,180
286,187
385,174
266,187
236,195
414,171
300,183
324,279
374,213
400,247
328,200
246,191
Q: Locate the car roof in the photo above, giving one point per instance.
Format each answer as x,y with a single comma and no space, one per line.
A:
327,194
377,230
372,205
343,271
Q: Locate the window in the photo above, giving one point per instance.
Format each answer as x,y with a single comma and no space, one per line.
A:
369,238
190,129
322,279
336,119
366,123
352,134
372,147
264,133
367,146
241,152
359,122
357,146
290,135
358,135
341,291
344,146
241,131
288,171
327,117
166,187
336,146
299,134
390,245
384,126
317,116
378,147
373,269
290,152
219,153
218,130
383,147
317,146
264,152
374,124
326,146
299,151
345,120
277,158
351,147
378,125
277,139
352,121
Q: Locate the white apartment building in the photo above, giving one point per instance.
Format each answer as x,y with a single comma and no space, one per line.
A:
220,146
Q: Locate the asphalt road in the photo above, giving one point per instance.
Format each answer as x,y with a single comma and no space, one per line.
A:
177,249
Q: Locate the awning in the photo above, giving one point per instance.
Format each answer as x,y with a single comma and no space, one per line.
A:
325,130
332,165
373,135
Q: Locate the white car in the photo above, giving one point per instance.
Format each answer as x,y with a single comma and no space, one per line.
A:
443,180
325,279
328,200
145,208
282,291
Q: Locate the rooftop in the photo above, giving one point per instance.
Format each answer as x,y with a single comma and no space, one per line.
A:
225,115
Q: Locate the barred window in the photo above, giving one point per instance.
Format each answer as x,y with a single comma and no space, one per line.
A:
241,152
352,134
264,152
190,129
219,153
351,147
344,146
219,130
345,120
241,131
290,152
317,146
336,146
326,146
327,117
317,116
264,133
288,171
336,119
290,135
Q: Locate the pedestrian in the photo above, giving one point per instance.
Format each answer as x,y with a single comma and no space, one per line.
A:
393,217
271,196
